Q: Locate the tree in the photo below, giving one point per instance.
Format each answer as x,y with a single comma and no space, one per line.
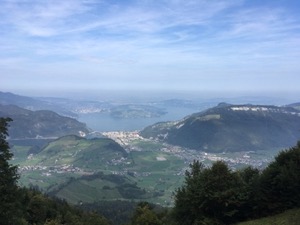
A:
189,196
52,222
249,194
37,209
280,182
209,196
9,205
144,215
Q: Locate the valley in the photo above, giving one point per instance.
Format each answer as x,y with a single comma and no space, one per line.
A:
133,141
68,165
149,112
124,151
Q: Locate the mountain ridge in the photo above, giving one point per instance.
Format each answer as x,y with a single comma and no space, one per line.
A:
230,128
30,103
40,124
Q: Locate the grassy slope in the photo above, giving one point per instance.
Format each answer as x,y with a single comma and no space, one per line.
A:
162,176
290,217
150,169
78,152
89,191
158,178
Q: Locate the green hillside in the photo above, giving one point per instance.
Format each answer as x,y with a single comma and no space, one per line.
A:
80,152
40,124
231,128
99,187
89,170
68,156
290,217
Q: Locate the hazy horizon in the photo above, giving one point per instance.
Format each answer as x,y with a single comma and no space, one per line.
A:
134,96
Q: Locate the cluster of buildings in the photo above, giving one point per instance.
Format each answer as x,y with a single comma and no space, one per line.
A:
48,171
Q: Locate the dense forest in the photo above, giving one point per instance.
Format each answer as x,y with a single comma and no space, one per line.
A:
209,195
217,195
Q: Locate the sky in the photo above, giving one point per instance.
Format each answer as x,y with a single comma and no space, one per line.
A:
55,46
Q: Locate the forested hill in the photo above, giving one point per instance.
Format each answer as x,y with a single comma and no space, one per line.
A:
228,128
42,123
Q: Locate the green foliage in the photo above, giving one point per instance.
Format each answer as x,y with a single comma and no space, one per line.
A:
52,222
211,194
118,212
250,193
217,195
280,181
144,215
22,206
9,205
39,209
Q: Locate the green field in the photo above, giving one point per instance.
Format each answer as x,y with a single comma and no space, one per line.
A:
63,168
146,167
158,172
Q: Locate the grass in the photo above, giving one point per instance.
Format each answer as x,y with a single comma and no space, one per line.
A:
88,192
290,217
150,169
148,161
147,145
104,187
155,170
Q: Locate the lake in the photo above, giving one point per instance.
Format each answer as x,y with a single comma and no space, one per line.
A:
104,122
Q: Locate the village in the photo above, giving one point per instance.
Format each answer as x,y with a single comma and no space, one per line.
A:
129,140
234,160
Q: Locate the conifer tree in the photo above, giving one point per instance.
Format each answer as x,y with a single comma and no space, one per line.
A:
280,181
209,195
8,180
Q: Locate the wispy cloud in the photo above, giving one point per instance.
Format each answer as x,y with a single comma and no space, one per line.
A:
150,37
42,18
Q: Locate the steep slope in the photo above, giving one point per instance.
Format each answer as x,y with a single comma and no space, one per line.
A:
43,123
100,187
229,128
80,152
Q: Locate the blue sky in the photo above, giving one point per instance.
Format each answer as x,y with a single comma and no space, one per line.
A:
203,45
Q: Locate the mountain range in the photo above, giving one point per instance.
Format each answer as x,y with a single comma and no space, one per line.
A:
40,124
231,128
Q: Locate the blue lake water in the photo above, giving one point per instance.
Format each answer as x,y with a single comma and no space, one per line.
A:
104,122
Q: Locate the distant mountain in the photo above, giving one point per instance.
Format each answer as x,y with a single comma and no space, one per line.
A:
40,124
230,128
295,105
136,111
77,106
7,98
